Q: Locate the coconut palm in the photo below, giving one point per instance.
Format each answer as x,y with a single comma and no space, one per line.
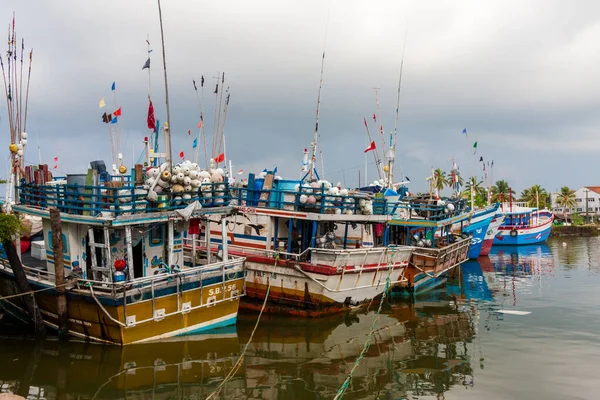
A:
534,196
566,199
450,182
478,189
501,192
439,180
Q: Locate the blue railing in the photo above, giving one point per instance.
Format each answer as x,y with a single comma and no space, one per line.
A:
115,200
356,203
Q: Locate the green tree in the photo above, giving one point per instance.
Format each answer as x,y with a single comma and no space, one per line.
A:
534,196
478,191
501,192
439,180
566,199
450,182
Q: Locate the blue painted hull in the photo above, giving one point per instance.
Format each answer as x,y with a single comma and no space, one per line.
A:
477,230
523,236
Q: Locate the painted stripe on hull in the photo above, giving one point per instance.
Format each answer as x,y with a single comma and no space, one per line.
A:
539,234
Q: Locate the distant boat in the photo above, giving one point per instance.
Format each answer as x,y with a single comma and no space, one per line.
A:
524,225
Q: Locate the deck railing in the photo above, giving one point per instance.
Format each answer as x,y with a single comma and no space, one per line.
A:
122,198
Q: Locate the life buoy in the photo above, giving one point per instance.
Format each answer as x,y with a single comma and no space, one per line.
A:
137,296
514,233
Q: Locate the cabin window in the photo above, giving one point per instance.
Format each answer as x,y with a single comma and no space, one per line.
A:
578,200
591,199
64,239
156,235
579,209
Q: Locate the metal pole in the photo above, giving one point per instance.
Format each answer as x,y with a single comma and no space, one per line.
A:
167,130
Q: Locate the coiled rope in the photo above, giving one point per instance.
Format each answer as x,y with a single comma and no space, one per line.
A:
342,390
240,360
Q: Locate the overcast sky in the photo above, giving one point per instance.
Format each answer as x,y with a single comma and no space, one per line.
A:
522,77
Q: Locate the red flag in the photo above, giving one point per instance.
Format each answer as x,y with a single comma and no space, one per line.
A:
151,120
189,132
181,154
381,129
117,113
200,124
220,158
56,166
55,159
366,122
371,147
241,171
374,118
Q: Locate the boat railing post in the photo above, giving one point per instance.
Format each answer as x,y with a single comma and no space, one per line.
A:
152,294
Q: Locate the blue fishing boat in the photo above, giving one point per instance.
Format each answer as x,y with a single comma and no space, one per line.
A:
477,227
524,225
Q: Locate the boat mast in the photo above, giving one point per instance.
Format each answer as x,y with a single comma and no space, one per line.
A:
313,145
167,129
392,151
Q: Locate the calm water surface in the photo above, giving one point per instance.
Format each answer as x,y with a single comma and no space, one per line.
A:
455,343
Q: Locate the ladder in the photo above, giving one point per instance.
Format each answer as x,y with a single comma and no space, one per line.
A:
101,269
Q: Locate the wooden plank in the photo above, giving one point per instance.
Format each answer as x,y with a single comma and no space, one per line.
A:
265,194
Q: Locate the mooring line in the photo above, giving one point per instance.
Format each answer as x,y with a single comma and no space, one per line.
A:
342,390
238,363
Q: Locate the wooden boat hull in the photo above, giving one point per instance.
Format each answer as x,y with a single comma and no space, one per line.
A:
98,322
313,293
429,266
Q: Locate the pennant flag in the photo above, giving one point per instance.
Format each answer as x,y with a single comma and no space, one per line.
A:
480,159
227,100
475,147
492,163
106,118
220,158
216,89
151,121
181,154
146,64
56,166
113,86
275,171
241,171
381,129
195,143
200,124
201,116
407,178
55,159
202,81
465,131
195,88
114,120
117,113
102,103
371,147
374,118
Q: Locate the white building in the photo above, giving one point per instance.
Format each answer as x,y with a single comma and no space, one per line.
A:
587,200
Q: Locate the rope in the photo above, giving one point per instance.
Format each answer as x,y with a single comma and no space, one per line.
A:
33,291
238,364
342,390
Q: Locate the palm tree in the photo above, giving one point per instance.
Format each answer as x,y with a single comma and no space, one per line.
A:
566,199
501,192
439,180
450,182
534,196
478,189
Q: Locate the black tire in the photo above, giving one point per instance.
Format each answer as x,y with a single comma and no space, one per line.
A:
514,233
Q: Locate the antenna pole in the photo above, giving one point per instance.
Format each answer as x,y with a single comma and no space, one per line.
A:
167,129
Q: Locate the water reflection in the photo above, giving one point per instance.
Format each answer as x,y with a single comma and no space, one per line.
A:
418,348
190,368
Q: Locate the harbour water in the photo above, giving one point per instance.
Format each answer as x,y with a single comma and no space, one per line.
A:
462,341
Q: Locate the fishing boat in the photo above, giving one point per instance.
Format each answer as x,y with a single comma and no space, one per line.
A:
523,225
298,239
113,246
491,234
426,224
477,227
